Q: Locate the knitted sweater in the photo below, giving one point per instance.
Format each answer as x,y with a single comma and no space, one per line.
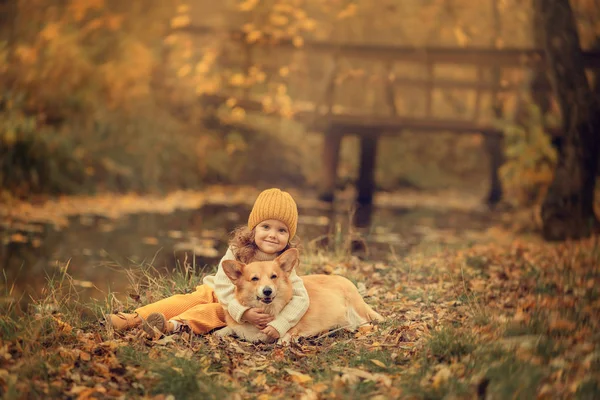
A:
225,292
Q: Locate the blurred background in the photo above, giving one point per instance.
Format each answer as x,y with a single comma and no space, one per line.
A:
224,98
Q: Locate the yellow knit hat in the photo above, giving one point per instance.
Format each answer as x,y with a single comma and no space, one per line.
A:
275,204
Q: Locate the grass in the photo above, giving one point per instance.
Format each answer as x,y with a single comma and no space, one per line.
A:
449,344
183,379
513,378
431,346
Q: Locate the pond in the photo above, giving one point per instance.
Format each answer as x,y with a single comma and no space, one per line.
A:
97,250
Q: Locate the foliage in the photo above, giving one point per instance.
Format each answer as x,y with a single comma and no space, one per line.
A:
530,158
92,100
35,159
120,85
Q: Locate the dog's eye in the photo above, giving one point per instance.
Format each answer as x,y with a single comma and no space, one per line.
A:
254,278
273,276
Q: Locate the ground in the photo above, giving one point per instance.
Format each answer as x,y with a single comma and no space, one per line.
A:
511,318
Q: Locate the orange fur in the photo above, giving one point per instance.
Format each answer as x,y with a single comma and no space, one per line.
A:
334,300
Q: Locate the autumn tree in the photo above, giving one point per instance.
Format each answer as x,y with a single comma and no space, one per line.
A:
568,209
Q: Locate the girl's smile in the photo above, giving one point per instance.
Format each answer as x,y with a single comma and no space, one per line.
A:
271,236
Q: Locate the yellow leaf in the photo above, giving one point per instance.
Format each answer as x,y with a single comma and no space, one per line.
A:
184,71
18,238
309,24
150,240
183,8
298,41
441,377
260,380
298,377
237,80
319,387
114,22
180,21
347,12
379,363
284,71
461,36
85,356
253,36
247,5
50,31
278,19
238,114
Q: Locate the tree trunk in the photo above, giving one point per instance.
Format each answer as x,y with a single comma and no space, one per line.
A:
568,209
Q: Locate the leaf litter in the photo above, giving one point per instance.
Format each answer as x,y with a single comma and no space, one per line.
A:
491,319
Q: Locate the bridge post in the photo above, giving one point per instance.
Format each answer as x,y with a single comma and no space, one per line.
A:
366,179
331,156
493,146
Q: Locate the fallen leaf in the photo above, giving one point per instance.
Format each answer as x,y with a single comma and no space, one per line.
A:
298,377
441,376
379,363
561,324
260,380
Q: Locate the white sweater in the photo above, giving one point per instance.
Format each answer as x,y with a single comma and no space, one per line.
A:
225,292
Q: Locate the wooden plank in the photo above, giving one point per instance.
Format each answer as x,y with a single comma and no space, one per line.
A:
353,123
362,124
391,126
506,57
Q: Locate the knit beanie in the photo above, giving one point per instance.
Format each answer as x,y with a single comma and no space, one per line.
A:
275,204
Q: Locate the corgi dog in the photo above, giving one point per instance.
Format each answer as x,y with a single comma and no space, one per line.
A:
334,300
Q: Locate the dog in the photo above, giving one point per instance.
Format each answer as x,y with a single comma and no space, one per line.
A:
334,300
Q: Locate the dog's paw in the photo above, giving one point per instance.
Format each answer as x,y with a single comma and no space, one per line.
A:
227,331
287,339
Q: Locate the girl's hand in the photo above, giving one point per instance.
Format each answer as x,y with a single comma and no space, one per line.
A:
257,317
271,332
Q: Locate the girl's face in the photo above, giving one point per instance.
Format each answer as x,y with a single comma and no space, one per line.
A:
271,236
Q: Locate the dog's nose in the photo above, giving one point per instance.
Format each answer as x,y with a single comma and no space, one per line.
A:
267,291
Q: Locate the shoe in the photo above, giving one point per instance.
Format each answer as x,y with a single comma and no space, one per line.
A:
123,321
157,325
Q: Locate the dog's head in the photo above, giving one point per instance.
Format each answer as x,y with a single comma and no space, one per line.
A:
260,283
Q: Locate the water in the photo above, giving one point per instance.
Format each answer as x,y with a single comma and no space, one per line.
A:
96,251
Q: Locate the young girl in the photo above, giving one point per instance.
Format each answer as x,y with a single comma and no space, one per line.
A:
270,231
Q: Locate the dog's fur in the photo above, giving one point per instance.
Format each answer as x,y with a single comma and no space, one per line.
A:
334,300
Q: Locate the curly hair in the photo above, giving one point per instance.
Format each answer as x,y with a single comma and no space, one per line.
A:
244,248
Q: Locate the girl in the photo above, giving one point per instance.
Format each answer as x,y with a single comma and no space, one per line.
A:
271,229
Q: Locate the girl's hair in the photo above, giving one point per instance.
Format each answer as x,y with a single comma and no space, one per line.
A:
244,248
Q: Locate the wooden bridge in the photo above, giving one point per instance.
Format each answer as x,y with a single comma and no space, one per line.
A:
334,121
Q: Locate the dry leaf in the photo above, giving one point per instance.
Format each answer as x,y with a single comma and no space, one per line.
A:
441,377
298,377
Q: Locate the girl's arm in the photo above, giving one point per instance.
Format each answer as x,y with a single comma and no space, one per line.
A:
225,290
295,309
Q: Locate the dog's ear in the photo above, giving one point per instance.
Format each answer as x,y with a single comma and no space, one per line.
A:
288,260
233,269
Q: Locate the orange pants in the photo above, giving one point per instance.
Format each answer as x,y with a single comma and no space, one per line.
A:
200,310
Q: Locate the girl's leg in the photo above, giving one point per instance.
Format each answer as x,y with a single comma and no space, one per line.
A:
179,303
203,318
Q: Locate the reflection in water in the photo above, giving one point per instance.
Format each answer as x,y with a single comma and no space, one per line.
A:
96,251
